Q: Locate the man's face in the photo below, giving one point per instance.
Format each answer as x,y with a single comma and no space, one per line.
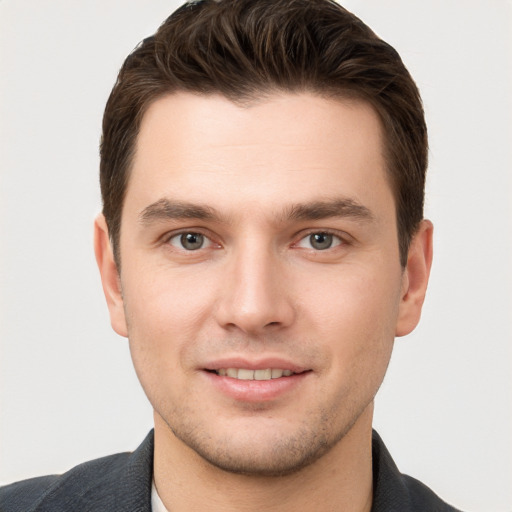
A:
256,242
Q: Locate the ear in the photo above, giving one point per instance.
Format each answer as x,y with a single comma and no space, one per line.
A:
109,276
415,279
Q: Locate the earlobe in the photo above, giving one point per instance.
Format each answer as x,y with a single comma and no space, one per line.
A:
109,276
415,279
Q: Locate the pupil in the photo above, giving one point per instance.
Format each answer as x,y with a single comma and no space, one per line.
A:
192,241
321,241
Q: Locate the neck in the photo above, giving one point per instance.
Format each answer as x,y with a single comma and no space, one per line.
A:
339,480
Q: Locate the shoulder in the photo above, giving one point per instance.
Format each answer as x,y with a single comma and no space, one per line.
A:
395,491
62,491
116,482
422,497
20,495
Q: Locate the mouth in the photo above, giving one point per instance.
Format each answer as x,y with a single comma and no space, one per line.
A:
257,381
248,374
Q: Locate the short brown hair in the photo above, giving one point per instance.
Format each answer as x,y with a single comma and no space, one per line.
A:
245,49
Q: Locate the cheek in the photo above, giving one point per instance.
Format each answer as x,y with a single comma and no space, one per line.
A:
355,315
166,304
358,299
164,317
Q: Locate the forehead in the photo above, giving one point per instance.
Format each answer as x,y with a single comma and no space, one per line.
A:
295,147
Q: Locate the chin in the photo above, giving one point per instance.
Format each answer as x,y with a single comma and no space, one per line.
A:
263,452
284,457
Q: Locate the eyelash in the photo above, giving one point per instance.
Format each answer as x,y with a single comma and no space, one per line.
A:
338,240
207,238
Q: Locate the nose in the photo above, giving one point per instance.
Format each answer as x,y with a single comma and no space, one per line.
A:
255,297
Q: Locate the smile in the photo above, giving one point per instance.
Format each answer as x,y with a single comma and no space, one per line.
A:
246,374
256,381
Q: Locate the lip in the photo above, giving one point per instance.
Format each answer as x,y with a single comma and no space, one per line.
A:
255,364
253,391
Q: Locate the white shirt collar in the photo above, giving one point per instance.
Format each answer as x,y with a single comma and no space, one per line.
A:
156,503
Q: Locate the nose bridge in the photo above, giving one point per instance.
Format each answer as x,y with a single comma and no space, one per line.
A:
254,299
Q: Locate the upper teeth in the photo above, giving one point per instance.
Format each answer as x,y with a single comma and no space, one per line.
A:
244,374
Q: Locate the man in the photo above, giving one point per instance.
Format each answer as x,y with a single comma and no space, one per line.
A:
262,243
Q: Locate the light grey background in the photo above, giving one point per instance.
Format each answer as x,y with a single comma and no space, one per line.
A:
67,389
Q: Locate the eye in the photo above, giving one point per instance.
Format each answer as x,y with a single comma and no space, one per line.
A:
319,241
189,241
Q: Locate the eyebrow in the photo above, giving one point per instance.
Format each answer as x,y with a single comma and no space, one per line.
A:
318,210
165,209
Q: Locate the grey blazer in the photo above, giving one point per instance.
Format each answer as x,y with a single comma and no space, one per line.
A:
122,483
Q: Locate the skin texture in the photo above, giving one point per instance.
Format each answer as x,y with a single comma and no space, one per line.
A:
256,181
